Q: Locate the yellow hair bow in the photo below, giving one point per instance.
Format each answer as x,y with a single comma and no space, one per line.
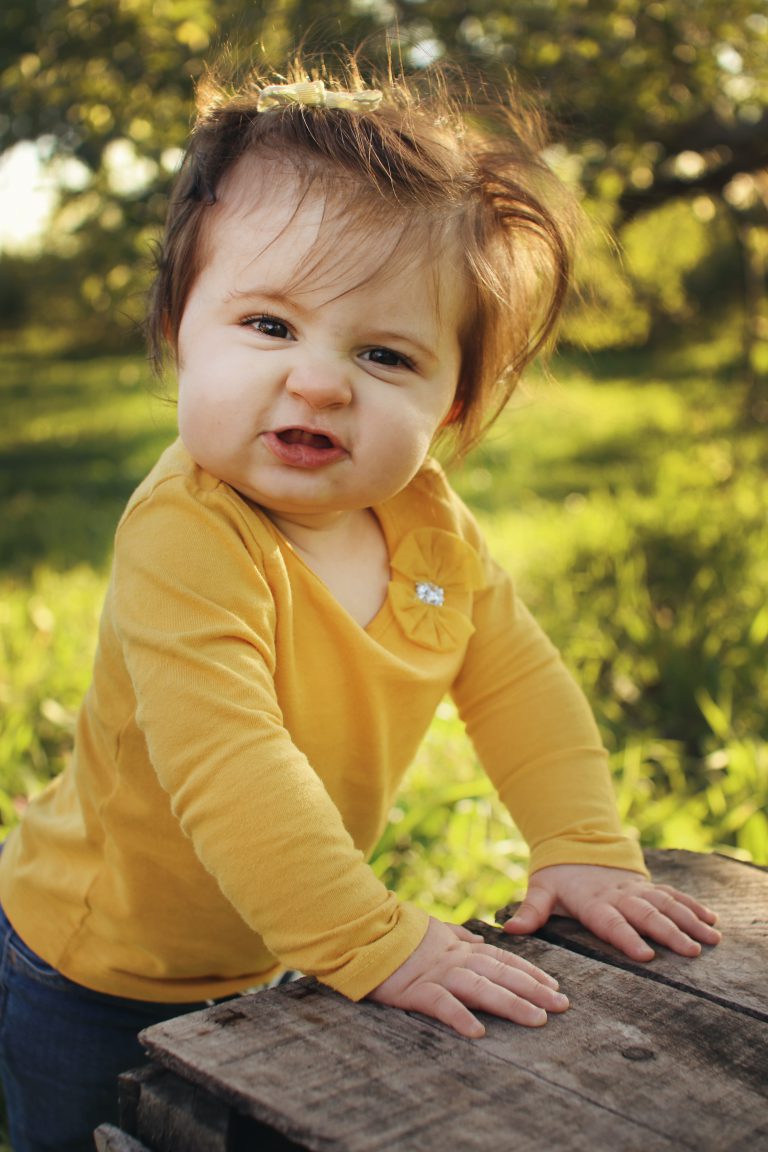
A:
314,94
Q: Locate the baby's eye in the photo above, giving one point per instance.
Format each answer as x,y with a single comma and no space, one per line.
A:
269,326
387,358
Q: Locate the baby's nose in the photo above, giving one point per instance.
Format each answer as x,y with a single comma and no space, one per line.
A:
321,385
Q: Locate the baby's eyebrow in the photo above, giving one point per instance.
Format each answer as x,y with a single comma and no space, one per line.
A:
274,295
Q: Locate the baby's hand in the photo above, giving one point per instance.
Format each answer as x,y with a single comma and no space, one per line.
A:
453,970
617,906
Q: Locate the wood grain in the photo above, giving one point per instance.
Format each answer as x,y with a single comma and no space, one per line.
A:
632,1065
733,973
663,1057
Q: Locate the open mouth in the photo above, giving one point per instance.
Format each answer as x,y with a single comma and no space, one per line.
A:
307,439
303,448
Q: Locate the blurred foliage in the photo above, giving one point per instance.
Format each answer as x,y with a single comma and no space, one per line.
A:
81,436
628,500
658,104
630,503
640,83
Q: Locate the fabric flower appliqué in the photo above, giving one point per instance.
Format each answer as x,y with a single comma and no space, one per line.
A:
434,574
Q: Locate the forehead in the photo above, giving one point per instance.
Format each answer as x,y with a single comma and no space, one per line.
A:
320,232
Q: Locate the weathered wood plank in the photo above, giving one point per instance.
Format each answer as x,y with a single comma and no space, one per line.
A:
734,973
693,1069
328,1074
107,1138
632,1065
172,1115
169,1113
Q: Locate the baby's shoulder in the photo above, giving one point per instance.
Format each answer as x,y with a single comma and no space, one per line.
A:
180,503
173,468
431,502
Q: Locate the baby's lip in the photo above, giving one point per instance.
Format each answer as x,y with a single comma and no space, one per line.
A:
298,446
309,437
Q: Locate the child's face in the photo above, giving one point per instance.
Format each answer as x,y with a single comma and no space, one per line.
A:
312,376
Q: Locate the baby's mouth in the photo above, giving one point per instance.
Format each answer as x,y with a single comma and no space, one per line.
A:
310,448
302,436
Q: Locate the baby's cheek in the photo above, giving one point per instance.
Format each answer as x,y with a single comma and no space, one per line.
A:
199,429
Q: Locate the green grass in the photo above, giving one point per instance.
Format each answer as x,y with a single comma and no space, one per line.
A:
628,499
631,509
77,437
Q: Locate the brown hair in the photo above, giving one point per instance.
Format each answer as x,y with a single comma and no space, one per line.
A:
423,156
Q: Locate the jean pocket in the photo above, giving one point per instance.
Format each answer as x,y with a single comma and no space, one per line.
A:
24,962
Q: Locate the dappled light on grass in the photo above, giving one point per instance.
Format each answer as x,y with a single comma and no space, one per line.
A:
47,639
639,542
631,511
450,846
78,438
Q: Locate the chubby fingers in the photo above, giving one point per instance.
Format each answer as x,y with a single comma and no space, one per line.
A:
453,972
485,983
502,984
524,981
657,912
509,959
704,918
673,919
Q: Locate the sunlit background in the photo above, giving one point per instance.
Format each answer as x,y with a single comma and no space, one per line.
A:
26,199
627,491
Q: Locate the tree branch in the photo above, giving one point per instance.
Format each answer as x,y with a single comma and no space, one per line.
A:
728,149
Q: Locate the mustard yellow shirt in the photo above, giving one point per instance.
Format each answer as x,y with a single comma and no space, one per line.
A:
244,738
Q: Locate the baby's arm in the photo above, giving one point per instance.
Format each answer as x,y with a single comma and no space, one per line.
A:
538,741
617,905
453,970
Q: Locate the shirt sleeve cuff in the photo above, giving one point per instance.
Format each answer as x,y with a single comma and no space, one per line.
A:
603,851
368,966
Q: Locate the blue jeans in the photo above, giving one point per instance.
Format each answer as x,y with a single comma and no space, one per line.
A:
62,1048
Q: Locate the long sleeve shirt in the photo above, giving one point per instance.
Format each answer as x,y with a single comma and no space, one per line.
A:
244,739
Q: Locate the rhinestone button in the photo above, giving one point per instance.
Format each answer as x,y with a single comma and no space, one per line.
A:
430,593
